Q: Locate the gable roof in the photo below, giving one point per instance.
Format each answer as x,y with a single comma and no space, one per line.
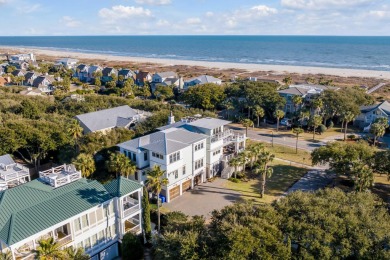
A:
82,67
209,123
167,74
29,75
203,79
384,106
122,186
107,118
18,72
39,80
164,142
108,71
294,91
6,159
33,207
125,72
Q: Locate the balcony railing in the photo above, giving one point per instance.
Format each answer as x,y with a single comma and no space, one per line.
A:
132,225
132,209
19,172
222,135
64,240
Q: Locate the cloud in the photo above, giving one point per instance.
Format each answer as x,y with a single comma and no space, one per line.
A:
2,2
194,20
162,23
380,14
323,4
28,9
118,12
263,10
209,14
70,22
153,2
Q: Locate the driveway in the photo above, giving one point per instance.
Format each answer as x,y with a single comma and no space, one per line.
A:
204,198
312,181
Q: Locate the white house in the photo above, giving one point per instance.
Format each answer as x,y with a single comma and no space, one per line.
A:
44,83
368,114
67,63
201,80
107,119
12,174
76,212
22,57
169,78
189,151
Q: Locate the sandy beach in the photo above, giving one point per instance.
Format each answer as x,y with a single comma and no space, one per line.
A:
273,69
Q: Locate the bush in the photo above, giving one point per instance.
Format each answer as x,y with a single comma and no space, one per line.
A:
131,247
322,129
330,124
234,180
352,137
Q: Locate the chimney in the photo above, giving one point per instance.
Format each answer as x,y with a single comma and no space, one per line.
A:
171,119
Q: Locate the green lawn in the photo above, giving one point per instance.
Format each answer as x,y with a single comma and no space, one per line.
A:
284,177
287,153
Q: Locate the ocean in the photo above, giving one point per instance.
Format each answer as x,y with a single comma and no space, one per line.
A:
369,53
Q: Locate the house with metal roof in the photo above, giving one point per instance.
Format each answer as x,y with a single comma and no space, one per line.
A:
189,151
67,63
12,174
107,119
76,212
81,72
203,79
368,114
108,72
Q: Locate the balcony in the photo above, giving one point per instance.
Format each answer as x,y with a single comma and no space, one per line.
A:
222,135
132,225
63,239
130,206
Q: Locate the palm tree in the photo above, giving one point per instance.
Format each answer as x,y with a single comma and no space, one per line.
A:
278,114
156,180
243,158
76,132
76,254
297,132
303,115
120,164
247,123
315,121
228,106
6,255
255,150
287,80
266,172
235,162
317,104
347,117
378,130
86,164
48,249
297,100
258,112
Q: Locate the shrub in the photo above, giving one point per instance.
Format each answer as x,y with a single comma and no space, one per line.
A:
330,124
322,129
131,247
234,180
352,137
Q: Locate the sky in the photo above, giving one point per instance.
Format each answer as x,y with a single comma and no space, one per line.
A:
195,17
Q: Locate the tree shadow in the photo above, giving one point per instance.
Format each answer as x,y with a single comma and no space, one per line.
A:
94,196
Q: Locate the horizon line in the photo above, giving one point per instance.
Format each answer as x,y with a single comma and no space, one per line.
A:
195,35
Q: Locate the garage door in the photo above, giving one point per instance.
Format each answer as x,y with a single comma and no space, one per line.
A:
186,185
175,192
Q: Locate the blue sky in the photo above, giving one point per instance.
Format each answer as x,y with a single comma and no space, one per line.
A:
166,17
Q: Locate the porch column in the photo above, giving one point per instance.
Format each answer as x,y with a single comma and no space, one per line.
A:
192,183
181,188
167,193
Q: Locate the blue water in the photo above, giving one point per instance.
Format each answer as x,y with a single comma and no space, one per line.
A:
372,53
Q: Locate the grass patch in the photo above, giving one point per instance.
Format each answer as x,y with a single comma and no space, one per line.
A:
382,179
287,153
282,179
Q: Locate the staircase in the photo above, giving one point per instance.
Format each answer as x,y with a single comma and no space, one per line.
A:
227,172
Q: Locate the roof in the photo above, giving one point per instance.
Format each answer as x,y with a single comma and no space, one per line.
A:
177,125
294,91
164,142
82,67
24,209
313,86
108,71
39,80
203,79
209,123
142,75
384,106
167,74
125,72
122,186
107,118
6,159
18,72
29,75
67,60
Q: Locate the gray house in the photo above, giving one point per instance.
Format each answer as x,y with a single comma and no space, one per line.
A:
368,114
107,119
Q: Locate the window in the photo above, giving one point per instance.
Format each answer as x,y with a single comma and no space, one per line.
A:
77,224
92,218
184,170
99,214
87,244
157,155
84,220
199,146
128,154
198,164
217,130
134,157
216,152
145,156
94,240
101,236
175,173
174,157
136,176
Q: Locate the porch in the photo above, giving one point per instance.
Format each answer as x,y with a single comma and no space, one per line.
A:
133,224
131,204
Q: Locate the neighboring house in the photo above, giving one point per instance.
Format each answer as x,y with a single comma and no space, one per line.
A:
189,151
81,72
126,73
2,69
306,91
18,73
368,114
201,80
107,74
12,174
143,77
67,63
22,65
256,79
4,81
107,119
22,57
76,212
91,72
32,92
162,76
29,78
44,83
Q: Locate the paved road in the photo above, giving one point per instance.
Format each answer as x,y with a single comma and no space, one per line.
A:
313,180
282,140
204,198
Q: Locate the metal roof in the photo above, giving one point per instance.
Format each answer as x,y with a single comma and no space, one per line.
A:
6,159
384,106
209,123
33,207
203,79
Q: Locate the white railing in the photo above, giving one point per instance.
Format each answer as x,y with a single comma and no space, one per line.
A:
60,175
65,240
14,175
222,135
127,212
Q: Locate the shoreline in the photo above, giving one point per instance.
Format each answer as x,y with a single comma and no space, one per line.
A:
249,67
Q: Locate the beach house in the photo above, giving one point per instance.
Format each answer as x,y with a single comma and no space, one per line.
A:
22,57
67,63
142,78
81,72
107,119
29,78
368,114
74,211
189,151
108,74
44,83
203,79
12,174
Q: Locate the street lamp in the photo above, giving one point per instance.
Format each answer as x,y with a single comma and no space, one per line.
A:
272,138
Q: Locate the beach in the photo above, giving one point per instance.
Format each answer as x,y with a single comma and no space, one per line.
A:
244,67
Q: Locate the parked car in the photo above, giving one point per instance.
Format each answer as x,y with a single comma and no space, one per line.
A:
286,122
